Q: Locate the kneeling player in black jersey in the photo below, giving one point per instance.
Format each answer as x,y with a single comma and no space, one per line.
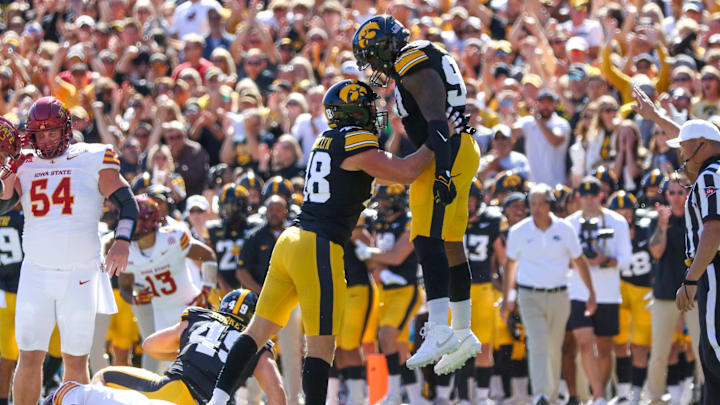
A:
199,345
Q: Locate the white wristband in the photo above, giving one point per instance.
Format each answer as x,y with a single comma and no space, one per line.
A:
209,273
512,295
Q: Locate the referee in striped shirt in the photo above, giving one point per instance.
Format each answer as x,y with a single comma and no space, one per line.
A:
699,142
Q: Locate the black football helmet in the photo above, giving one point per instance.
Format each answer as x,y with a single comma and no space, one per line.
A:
217,175
377,43
650,187
508,181
607,176
241,303
233,202
352,102
622,200
280,186
395,194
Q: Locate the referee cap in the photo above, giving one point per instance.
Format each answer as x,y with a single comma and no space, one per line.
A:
695,129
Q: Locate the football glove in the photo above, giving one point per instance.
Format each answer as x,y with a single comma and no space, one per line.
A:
143,297
460,122
389,278
363,251
15,164
443,188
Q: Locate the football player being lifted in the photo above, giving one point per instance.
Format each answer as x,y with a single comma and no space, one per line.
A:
198,345
429,93
307,262
62,188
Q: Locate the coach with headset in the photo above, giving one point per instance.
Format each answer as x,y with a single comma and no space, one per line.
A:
538,250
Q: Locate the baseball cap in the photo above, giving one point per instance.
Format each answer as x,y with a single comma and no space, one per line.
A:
501,129
577,71
576,43
513,198
532,79
692,6
545,93
684,60
33,28
644,83
644,57
76,52
196,201
695,129
501,69
714,39
85,20
589,186
349,67
281,85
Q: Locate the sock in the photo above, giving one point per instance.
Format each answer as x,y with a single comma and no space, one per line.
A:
315,374
407,376
674,374
240,354
443,391
462,379
519,387
51,366
623,369
690,369
438,311
460,314
639,374
414,389
459,283
675,391
393,363
219,397
356,391
482,376
333,390
636,393
563,390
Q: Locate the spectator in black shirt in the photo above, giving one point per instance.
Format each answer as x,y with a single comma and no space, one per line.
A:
254,260
667,246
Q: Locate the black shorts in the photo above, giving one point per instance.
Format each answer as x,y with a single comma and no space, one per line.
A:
605,321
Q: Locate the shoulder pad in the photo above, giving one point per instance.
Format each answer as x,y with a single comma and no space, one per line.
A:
192,312
255,220
213,223
410,55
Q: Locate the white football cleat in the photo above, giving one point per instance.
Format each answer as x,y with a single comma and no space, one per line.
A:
469,347
439,340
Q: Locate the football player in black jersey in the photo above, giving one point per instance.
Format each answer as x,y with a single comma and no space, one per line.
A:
483,240
401,296
307,262
198,345
636,291
429,92
226,234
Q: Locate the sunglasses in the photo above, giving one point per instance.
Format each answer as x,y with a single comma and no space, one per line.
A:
681,79
254,62
679,192
142,134
173,138
607,110
708,78
197,211
557,41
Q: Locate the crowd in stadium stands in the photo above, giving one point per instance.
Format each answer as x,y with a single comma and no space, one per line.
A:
198,94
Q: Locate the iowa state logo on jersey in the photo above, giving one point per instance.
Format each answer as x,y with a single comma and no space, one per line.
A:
369,31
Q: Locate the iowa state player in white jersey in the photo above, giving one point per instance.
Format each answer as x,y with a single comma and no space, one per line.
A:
157,263
62,188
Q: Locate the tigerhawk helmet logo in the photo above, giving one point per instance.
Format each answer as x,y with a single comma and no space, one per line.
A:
367,32
352,92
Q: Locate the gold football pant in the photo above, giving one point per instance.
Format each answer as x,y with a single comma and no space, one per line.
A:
308,269
450,221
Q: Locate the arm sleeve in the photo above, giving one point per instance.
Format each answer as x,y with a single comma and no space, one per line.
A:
615,77
185,240
707,191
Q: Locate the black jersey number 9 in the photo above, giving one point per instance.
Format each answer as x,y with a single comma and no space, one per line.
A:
317,187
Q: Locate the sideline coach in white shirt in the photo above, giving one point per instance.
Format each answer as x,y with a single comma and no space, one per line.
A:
539,249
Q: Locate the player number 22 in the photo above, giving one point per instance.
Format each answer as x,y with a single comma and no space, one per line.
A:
40,202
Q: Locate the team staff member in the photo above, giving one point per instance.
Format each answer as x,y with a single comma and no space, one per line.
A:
428,85
667,246
699,142
484,242
538,250
341,167
401,296
635,288
611,254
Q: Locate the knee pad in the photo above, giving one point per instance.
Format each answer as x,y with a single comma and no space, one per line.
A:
431,255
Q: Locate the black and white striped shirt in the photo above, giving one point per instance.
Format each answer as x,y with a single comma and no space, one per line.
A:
702,203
